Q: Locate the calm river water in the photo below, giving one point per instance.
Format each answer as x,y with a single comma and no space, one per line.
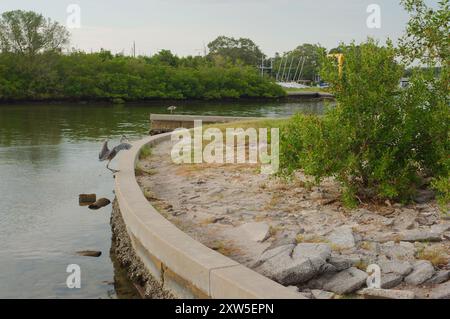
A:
48,156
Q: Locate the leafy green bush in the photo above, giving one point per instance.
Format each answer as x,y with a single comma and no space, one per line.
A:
379,141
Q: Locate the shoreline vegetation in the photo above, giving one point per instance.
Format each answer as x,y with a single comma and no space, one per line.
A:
104,77
290,95
36,64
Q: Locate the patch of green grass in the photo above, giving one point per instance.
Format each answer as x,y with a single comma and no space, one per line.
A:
145,152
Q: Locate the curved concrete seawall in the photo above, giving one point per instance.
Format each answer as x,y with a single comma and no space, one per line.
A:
178,265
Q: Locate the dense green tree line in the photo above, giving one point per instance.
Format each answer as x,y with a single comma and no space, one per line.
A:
101,75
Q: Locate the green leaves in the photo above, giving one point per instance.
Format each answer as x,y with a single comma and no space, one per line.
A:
427,33
29,33
237,51
379,141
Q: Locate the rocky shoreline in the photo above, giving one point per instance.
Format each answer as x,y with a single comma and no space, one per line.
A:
301,235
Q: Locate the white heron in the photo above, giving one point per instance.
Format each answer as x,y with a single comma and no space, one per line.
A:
171,109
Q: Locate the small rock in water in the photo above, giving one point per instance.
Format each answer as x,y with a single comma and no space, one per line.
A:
102,202
89,253
87,199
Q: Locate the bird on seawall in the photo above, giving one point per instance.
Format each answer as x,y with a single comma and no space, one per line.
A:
108,155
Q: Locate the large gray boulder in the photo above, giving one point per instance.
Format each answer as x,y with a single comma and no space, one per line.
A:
420,235
391,280
423,270
291,265
440,277
412,235
402,250
310,250
275,252
346,281
440,228
340,262
406,219
342,237
255,231
403,268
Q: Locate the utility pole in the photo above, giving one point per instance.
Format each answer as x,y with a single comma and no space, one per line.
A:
263,67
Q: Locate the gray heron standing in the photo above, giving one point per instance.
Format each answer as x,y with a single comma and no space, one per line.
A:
108,155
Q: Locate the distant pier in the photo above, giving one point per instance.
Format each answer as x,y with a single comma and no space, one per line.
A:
311,95
163,123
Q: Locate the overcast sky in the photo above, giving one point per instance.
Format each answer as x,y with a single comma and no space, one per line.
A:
185,26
